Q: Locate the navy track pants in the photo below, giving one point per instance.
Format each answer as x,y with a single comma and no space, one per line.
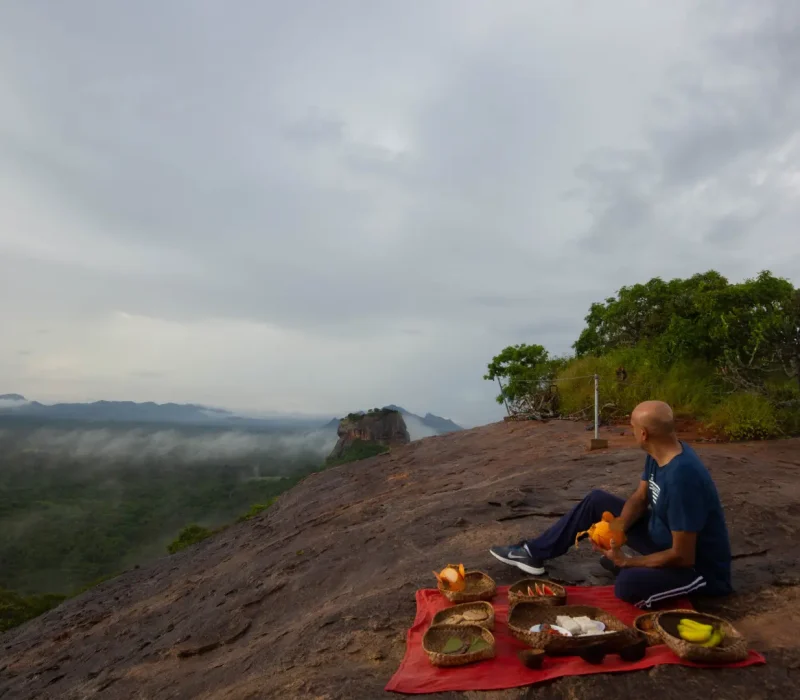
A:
644,587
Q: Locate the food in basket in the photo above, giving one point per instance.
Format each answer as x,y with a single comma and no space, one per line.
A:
700,633
455,645
544,589
554,630
475,615
580,626
567,626
603,532
478,644
452,577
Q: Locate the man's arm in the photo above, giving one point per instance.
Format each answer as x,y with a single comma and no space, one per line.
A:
635,507
680,555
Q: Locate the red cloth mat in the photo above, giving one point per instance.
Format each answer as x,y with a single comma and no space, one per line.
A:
416,675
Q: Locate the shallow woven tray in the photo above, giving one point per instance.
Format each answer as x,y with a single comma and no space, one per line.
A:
524,615
479,586
450,615
652,635
436,637
733,648
516,593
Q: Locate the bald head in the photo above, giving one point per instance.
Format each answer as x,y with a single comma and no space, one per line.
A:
654,417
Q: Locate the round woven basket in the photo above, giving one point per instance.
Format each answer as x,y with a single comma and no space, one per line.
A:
436,637
646,626
456,615
518,593
524,615
479,586
732,648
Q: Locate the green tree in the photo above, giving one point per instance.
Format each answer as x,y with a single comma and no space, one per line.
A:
16,609
521,368
674,316
728,351
190,535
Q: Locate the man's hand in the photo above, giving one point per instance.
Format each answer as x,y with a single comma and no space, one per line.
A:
681,554
615,554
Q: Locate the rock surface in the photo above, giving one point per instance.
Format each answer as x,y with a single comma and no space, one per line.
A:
313,598
384,426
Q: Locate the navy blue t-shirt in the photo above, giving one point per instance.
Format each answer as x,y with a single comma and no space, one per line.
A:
682,497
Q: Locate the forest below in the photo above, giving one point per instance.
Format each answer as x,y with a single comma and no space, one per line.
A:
724,354
80,503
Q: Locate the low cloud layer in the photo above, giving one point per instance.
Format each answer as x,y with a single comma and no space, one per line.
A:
310,207
139,446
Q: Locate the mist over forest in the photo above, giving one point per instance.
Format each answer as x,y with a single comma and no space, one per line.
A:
81,502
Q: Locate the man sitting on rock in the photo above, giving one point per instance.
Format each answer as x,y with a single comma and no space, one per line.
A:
682,542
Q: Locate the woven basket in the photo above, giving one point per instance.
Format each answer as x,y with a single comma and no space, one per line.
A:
436,637
479,586
517,593
652,635
524,615
453,616
732,648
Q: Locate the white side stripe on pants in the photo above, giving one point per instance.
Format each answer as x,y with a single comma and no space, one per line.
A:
698,583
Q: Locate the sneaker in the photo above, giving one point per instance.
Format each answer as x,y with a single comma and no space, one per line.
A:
519,556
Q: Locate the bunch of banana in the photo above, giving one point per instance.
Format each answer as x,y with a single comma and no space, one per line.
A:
698,633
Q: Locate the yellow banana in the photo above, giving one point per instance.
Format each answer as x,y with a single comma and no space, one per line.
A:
716,638
691,634
694,624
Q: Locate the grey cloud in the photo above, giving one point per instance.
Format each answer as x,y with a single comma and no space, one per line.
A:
732,227
315,130
716,126
460,174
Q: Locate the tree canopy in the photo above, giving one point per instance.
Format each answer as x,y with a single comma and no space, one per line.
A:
704,332
748,330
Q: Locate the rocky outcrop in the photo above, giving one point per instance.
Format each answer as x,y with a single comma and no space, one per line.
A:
313,598
383,426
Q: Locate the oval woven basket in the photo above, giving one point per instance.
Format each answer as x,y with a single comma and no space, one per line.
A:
524,615
459,615
646,626
436,637
479,586
518,593
732,648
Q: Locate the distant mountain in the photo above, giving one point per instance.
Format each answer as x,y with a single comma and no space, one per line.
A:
148,412
195,414
436,423
443,425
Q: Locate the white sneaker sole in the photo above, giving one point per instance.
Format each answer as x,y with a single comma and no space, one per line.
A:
535,570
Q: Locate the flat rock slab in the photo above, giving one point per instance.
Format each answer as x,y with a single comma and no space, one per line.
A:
313,598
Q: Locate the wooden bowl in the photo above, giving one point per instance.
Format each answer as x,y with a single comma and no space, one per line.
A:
532,658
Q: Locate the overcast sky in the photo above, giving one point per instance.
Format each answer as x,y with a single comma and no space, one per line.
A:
325,206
